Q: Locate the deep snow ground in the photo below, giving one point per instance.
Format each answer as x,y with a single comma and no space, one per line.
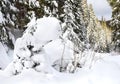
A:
105,71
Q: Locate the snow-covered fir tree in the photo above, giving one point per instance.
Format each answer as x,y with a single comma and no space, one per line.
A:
108,36
5,38
95,33
86,15
91,29
4,33
74,27
75,23
115,23
18,13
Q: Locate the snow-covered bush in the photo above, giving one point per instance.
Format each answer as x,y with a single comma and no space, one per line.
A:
30,51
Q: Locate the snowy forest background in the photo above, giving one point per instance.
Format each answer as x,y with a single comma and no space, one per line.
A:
67,30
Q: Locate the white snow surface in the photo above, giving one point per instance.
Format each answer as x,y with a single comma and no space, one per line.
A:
4,59
43,35
105,71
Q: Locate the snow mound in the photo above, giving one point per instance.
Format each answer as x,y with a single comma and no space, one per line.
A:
29,50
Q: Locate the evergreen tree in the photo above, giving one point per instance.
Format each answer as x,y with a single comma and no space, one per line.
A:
95,33
86,15
17,13
115,23
5,39
54,8
108,36
91,26
75,23
76,30
13,15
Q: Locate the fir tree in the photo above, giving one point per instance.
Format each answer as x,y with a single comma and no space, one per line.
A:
5,38
86,15
76,31
95,33
91,26
115,23
75,23
17,13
